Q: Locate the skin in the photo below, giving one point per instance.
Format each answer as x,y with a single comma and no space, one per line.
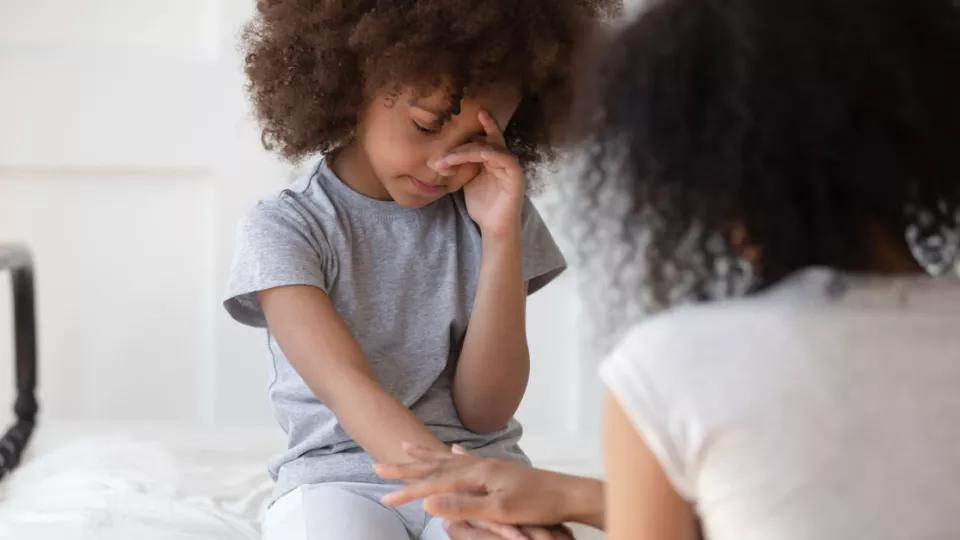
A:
641,502
394,158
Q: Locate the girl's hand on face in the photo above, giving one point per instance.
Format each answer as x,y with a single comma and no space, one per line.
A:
495,196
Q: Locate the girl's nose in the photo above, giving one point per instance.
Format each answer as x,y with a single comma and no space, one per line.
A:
440,168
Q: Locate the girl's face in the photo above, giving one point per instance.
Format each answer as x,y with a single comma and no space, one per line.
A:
399,140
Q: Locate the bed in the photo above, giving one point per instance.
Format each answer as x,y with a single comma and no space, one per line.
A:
152,482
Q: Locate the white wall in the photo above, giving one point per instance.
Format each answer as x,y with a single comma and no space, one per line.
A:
126,158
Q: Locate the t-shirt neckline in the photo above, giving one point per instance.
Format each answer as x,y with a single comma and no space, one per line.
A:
334,186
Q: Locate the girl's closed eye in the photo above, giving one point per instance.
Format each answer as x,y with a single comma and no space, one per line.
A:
426,130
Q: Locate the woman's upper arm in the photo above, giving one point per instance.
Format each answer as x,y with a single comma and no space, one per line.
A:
641,502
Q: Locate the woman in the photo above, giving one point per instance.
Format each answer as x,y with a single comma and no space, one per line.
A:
800,155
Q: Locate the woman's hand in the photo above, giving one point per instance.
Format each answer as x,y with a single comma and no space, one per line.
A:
469,531
460,487
495,196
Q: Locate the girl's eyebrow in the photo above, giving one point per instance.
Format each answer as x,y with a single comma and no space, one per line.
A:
444,116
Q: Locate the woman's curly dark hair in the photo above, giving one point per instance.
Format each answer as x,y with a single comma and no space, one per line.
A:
789,129
312,64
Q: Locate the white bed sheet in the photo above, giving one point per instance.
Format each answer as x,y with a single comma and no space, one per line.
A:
174,483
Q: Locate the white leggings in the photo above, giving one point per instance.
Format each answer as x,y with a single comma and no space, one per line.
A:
348,511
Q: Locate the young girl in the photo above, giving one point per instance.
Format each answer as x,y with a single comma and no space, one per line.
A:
393,278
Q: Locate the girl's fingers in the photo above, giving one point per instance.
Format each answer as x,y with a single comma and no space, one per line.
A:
492,129
471,149
486,156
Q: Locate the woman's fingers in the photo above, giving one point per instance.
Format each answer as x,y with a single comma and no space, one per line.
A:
462,506
433,487
508,532
463,531
426,463
406,471
476,530
440,472
537,533
553,533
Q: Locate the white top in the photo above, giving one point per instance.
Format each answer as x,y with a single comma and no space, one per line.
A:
825,408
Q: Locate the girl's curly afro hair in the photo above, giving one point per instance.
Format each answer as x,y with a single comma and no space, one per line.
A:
313,64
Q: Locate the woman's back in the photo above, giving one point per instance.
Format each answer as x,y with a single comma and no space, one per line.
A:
734,145
826,407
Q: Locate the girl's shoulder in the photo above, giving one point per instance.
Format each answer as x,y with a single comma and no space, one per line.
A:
304,202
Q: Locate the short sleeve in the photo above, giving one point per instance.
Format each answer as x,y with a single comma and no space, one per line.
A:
542,259
629,373
275,247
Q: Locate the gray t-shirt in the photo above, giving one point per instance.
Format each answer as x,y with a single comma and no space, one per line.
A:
827,407
404,282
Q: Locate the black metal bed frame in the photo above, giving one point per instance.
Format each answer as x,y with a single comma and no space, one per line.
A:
17,260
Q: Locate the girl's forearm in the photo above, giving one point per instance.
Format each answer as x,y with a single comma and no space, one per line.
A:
376,420
328,358
494,365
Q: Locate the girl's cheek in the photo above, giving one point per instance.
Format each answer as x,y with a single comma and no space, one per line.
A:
466,173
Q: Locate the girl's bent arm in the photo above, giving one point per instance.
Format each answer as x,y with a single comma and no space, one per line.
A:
494,364
328,358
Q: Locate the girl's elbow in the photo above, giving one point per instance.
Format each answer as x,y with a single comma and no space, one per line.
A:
485,425
482,420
